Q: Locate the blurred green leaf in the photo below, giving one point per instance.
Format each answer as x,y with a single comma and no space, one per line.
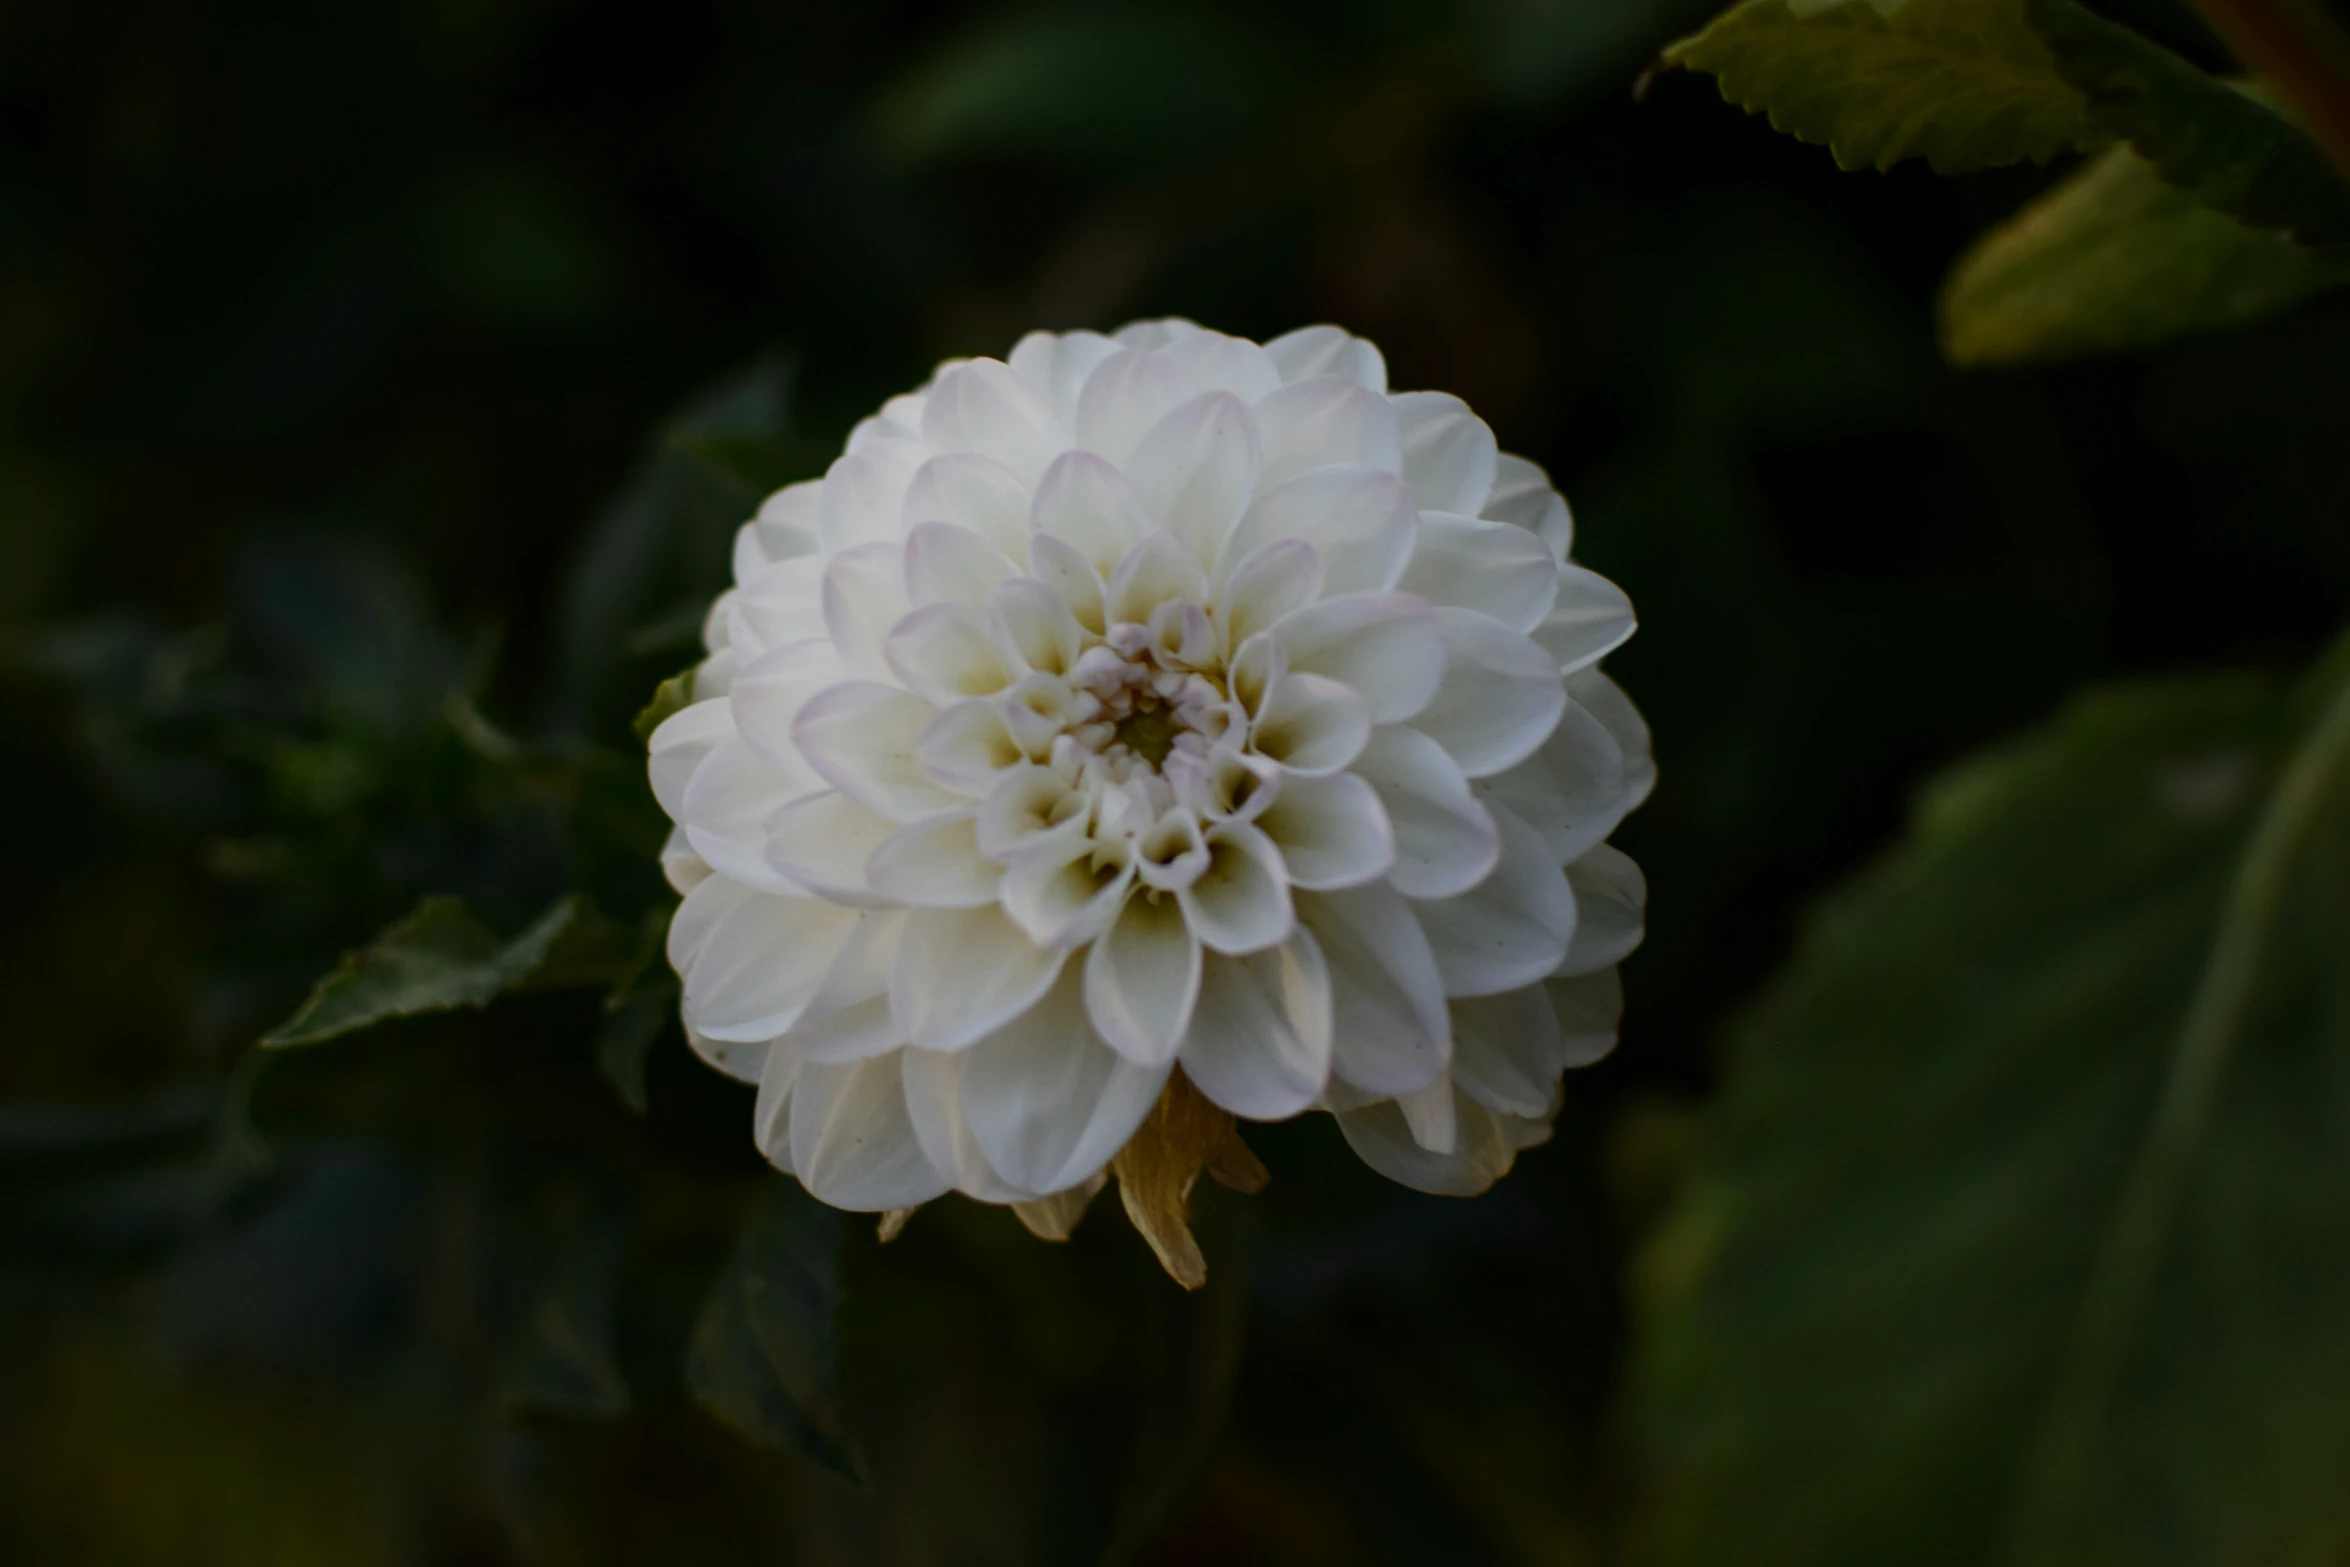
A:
2200,133
1096,87
1964,84
671,697
764,1356
2116,258
565,1361
436,959
2023,1224
626,1039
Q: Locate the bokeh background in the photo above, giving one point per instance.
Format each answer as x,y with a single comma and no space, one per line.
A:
380,384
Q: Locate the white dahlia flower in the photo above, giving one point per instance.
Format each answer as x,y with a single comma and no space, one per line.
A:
1141,732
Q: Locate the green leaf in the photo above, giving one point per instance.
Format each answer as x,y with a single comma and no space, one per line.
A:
764,1356
671,697
566,1360
1964,84
2115,258
631,1025
2021,1230
437,959
2200,133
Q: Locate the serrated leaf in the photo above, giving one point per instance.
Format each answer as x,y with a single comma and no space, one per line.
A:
2115,258
2202,134
437,959
2021,1234
671,697
1964,84
764,1356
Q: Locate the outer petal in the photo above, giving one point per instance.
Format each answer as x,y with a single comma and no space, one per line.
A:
678,747
862,736
1327,421
1128,393
1482,1151
1588,1006
761,962
1391,1033
848,1017
1610,894
1086,503
1057,364
1445,840
770,691
946,563
852,1143
1048,1102
1501,696
1509,930
981,406
1573,790
1522,496
1605,701
1449,456
1489,567
1331,831
733,796
943,653
1591,619
1327,350
864,493
1240,904
1506,1053
823,843
974,493
1311,725
934,1102
962,973
1259,1043
934,864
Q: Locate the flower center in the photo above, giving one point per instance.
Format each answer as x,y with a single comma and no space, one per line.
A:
1149,733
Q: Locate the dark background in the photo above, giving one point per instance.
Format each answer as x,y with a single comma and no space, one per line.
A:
354,356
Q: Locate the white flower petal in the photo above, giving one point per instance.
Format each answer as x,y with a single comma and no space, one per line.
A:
864,495
1327,421
1063,888
1086,503
1573,790
1490,567
1500,699
1510,929
823,842
1445,841
1359,520
950,564
785,527
861,736
1327,350
1604,700
962,973
771,1114
1141,979
974,493
1072,576
934,1102
1156,570
727,806
1482,1148
848,1018
1048,1102
1281,577
865,595
968,747
1522,497
1449,456
1388,647
944,654
1033,625
852,1143
1610,895
934,865
981,406
1506,1053
1390,1031
1240,904
1260,1036
1029,808
1311,725
1428,1114
761,962
676,749
1587,1006
1591,619
767,696
1331,832
745,1061
1128,393
1057,364
1195,472
1217,362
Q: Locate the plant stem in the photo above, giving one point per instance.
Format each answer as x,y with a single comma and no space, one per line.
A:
2064,1449
2304,50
